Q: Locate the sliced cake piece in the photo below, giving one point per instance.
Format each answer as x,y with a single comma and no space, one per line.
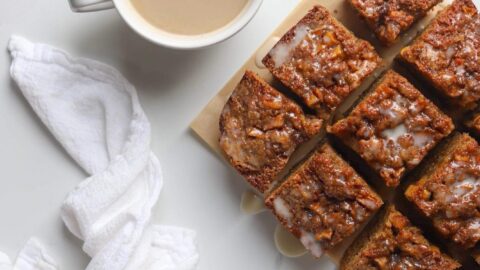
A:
449,192
393,127
394,243
321,61
388,19
324,201
447,54
260,128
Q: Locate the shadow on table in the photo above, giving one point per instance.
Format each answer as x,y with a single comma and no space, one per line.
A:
140,61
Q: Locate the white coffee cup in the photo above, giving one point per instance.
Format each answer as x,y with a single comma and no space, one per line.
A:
164,38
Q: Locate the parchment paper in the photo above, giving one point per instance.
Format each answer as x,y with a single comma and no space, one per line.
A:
206,124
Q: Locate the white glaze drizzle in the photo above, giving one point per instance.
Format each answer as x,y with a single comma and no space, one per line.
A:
308,240
263,51
281,51
395,132
282,209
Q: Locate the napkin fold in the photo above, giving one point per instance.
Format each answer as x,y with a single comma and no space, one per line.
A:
31,257
94,113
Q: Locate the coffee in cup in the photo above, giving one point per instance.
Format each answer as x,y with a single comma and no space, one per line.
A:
189,17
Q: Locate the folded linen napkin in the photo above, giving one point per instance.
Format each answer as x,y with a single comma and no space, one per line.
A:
94,113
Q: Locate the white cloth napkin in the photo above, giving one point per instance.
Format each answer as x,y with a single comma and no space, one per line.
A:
94,112
31,257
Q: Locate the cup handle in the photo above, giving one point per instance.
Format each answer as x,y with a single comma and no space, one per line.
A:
90,5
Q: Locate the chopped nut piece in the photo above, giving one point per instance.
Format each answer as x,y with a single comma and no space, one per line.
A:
381,263
272,103
328,38
255,132
324,235
337,52
277,122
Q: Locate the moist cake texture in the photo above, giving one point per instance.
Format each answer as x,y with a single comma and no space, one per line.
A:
260,128
393,127
390,18
324,201
449,192
447,54
394,243
321,61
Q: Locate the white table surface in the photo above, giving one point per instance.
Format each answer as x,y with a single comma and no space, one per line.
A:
200,191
